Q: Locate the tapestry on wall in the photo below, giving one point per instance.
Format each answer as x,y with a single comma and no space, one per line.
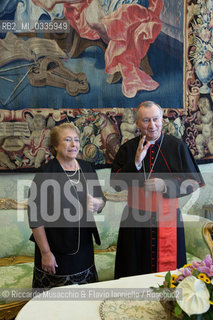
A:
199,79
92,63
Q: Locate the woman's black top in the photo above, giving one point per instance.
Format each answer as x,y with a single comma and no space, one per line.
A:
70,234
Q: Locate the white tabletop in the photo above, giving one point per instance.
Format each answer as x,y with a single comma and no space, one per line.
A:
85,299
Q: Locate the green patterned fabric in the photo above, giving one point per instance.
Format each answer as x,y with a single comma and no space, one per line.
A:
15,186
190,257
105,263
108,228
108,220
195,243
14,234
18,276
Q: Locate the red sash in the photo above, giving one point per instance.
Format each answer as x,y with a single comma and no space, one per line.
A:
166,214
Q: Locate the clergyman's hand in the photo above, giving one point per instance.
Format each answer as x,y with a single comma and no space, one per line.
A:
155,184
141,152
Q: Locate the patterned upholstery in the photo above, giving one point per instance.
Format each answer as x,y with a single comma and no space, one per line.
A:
14,235
16,277
105,262
195,244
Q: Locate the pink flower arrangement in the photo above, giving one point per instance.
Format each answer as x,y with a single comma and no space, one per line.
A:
194,283
204,266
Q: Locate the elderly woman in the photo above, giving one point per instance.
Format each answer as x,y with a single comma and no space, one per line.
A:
64,194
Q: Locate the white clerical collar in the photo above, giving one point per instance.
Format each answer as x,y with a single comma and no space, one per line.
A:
152,141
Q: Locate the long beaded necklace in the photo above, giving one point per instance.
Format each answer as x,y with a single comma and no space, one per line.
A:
144,171
70,175
74,184
74,171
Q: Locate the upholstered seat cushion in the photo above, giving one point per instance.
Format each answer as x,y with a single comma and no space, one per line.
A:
18,276
190,257
105,262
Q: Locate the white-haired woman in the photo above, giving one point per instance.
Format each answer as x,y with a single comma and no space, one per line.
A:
64,194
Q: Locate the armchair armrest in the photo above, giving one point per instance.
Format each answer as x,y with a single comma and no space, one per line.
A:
196,243
208,234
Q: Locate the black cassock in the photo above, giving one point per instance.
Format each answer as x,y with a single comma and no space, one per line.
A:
143,245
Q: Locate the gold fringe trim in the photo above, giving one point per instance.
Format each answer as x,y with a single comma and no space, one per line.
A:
110,249
6,203
116,197
9,261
